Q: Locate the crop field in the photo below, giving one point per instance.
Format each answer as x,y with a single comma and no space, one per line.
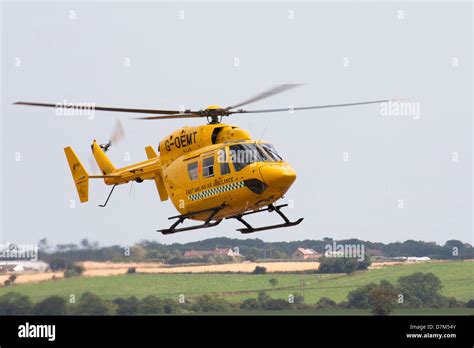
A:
457,278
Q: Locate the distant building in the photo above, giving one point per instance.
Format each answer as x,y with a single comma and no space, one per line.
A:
216,252
22,266
7,267
333,254
407,258
375,252
414,258
18,268
225,252
305,254
191,254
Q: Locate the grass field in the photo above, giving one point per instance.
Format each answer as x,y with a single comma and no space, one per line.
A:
457,278
353,311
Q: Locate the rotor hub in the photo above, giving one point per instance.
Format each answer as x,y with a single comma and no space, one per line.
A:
214,107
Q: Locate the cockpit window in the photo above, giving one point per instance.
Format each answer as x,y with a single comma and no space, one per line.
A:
272,152
243,154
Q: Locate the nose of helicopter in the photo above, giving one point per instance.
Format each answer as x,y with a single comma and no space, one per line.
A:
278,176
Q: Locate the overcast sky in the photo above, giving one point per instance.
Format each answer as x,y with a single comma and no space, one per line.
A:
361,174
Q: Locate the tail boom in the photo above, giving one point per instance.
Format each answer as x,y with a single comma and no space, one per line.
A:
146,170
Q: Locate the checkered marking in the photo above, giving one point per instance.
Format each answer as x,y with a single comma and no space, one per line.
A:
216,190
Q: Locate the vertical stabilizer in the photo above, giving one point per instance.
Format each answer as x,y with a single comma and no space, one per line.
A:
79,174
104,163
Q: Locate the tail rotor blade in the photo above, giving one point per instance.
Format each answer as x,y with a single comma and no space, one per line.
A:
118,134
93,165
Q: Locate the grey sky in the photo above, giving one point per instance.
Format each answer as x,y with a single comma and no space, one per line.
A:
426,56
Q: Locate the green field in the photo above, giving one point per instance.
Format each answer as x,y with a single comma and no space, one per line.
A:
352,311
457,278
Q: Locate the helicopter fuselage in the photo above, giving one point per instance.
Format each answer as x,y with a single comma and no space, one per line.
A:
220,165
218,175
202,167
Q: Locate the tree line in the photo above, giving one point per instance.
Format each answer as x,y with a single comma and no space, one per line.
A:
418,290
251,249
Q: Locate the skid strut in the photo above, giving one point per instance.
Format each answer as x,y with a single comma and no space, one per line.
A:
271,208
108,197
181,218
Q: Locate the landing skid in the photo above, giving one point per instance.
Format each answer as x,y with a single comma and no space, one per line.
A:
181,218
270,208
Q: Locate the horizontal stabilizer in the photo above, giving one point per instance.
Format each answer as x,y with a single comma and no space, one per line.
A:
103,176
150,152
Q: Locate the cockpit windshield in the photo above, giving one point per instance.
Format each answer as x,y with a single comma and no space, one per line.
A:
272,152
243,154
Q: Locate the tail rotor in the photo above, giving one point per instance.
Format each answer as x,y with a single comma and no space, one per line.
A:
118,134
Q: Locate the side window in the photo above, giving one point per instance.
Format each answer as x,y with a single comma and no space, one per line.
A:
222,159
208,167
193,170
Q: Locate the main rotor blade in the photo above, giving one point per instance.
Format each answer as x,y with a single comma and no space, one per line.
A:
190,115
102,108
308,107
268,93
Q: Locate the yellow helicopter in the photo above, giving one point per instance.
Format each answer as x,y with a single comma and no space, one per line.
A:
210,172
